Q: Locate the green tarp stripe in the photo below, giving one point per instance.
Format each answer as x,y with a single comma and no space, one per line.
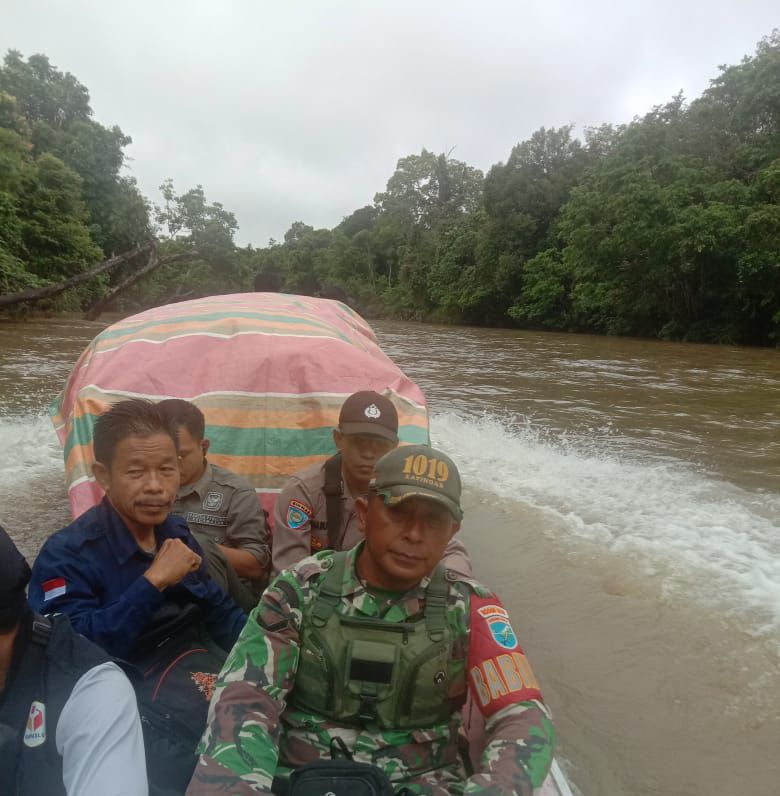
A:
233,441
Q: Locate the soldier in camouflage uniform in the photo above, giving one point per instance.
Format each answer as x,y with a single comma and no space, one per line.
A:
379,646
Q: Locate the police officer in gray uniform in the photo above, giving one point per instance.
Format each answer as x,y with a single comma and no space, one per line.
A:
316,508
221,510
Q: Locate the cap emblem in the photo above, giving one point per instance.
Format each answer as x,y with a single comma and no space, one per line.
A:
432,471
372,412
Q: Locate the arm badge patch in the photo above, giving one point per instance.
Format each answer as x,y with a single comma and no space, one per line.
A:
498,669
298,514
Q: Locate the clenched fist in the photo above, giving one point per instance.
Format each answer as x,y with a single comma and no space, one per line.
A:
173,561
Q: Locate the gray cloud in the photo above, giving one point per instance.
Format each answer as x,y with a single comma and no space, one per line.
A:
301,112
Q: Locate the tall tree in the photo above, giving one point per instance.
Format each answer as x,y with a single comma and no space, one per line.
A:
58,121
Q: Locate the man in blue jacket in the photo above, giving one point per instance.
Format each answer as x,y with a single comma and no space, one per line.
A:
116,567
131,577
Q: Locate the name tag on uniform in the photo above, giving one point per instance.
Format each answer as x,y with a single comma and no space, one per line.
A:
207,519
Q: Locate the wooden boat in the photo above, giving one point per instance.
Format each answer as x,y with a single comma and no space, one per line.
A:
269,371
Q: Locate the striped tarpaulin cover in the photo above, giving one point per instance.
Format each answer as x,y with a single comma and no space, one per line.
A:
269,371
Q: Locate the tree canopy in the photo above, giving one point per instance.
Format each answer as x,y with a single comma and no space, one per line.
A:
668,226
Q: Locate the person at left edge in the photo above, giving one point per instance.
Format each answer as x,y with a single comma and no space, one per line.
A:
116,566
69,724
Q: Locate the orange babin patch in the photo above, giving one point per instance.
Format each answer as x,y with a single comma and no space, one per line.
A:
504,680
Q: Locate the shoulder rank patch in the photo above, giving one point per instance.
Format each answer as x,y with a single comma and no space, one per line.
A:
298,514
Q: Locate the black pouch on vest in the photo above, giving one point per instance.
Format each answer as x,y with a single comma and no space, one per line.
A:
339,778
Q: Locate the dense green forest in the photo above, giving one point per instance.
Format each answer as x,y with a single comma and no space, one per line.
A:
665,227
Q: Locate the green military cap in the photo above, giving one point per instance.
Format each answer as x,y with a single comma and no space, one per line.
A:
418,471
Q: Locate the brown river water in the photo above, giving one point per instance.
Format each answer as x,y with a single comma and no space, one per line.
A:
622,496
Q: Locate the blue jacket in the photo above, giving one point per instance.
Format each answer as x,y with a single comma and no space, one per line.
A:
93,572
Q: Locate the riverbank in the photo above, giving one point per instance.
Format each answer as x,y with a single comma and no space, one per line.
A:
373,313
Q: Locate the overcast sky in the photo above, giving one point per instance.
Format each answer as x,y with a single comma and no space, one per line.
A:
292,110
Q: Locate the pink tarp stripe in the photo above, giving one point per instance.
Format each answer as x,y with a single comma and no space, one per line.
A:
200,364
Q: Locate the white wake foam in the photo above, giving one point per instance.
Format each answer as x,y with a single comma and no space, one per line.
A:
28,448
694,531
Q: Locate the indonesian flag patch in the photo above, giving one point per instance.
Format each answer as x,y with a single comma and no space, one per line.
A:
55,587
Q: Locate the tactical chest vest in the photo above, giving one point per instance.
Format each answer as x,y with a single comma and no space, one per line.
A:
369,672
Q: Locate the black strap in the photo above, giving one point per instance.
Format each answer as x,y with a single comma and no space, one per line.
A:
334,494
13,713
41,630
338,749
436,604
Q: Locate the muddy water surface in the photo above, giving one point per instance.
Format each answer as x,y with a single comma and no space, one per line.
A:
623,497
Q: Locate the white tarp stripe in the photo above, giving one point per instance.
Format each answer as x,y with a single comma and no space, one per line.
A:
183,335
85,479
241,393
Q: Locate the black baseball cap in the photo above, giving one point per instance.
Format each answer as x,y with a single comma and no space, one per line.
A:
418,471
368,412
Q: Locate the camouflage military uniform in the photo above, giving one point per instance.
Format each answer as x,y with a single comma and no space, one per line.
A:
252,735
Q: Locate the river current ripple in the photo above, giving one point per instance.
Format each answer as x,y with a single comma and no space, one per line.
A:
623,496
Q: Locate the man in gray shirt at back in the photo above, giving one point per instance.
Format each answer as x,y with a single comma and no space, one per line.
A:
221,510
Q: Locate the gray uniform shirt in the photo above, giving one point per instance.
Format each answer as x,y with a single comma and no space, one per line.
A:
223,507
301,523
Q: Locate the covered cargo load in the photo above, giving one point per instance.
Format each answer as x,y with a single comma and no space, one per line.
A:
269,371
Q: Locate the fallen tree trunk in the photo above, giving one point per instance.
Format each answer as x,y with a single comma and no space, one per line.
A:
38,293
153,263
